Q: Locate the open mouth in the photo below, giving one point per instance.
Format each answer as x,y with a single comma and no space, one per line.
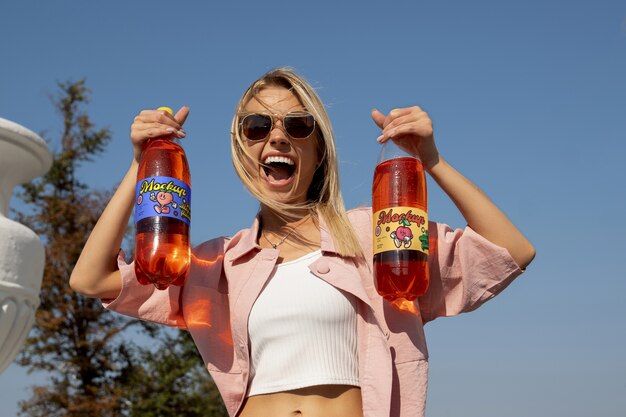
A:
279,170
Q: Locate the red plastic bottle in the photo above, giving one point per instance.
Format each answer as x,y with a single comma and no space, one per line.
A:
400,222
162,214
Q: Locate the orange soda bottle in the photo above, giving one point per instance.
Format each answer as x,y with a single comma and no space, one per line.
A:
400,223
162,213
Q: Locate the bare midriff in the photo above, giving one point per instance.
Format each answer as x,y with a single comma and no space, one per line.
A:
317,401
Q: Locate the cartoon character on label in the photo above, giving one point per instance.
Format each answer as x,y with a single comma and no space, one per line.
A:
164,200
403,234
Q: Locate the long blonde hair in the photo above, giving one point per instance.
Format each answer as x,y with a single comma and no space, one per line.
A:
324,194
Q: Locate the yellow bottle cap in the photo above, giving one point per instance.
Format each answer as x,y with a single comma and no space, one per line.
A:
167,109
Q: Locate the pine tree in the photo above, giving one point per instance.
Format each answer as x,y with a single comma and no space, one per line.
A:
93,370
172,379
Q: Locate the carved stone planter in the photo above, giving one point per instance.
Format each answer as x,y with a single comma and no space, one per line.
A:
23,156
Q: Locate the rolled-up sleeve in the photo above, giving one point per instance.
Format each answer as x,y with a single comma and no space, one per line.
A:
145,302
466,270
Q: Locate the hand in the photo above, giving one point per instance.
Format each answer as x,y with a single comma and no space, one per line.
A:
410,128
156,123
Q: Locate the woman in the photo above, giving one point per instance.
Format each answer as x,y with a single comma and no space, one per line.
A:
285,314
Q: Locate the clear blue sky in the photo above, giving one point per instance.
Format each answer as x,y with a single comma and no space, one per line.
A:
528,100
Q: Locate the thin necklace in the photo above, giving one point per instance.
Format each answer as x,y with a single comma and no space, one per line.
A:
275,245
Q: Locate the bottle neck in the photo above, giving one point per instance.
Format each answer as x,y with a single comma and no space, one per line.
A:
162,142
390,151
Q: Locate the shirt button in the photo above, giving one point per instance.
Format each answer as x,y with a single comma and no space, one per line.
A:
323,267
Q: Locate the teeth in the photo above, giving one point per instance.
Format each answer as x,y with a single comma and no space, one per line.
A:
280,159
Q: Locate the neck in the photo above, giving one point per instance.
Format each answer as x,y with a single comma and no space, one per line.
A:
274,222
296,233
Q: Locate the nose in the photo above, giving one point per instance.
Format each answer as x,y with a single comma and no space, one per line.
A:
278,136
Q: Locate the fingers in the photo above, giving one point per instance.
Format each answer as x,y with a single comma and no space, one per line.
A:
403,121
419,129
418,123
395,113
378,117
156,117
156,123
181,115
154,130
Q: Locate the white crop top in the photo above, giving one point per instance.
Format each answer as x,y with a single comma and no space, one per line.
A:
302,332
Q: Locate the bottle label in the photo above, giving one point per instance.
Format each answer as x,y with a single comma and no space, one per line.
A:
400,228
163,196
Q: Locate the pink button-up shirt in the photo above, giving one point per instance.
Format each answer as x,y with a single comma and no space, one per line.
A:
227,275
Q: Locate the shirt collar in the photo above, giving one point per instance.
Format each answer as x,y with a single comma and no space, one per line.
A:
246,240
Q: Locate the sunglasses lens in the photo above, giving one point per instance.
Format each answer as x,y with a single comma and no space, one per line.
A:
299,126
256,126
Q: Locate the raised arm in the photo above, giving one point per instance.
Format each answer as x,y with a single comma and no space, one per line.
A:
412,129
96,273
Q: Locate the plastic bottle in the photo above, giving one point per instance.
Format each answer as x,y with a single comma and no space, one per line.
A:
162,213
399,203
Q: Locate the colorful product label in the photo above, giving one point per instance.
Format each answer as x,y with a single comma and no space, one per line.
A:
400,228
163,196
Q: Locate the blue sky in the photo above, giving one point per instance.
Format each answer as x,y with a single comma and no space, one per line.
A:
528,100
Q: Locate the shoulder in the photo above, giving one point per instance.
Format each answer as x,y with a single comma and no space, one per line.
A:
360,214
221,244
207,263
216,245
233,247
360,219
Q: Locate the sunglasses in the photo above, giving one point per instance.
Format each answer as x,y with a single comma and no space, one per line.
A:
257,126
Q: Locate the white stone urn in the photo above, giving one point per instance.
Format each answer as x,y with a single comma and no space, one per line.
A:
23,156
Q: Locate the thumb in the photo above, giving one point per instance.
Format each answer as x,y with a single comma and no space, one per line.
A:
378,117
181,115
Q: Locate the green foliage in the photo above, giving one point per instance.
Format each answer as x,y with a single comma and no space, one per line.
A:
170,379
93,370
74,339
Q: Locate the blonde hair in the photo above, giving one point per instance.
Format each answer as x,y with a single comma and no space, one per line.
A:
324,194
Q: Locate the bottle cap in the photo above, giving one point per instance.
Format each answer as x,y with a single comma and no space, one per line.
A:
167,109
